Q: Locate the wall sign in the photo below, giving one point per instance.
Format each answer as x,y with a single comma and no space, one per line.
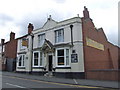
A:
94,44
24,42
74,58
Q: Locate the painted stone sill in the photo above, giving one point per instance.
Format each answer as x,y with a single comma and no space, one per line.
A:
62,68
37,67
21,67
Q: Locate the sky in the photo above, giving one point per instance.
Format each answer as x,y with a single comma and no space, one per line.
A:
15,15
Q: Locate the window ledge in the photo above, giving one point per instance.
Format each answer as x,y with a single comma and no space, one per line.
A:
38,67
21,67
62,67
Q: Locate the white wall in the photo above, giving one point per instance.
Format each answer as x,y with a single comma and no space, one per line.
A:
50,35
27,52
50,32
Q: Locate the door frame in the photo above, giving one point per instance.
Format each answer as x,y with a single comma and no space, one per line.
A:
50,61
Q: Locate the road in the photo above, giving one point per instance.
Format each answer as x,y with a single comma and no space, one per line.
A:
30,84
18,81
15,82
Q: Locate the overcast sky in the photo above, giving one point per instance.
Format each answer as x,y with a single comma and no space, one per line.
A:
16,14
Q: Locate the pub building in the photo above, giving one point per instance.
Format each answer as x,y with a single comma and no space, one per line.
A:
71,48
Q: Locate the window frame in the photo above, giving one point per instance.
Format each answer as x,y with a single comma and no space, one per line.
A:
65,65
57,36
62,57
41,42
39,56
22,60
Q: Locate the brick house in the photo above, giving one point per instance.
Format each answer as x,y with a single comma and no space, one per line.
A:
10,54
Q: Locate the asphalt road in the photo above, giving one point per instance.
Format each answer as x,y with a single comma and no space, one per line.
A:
15,82
30,84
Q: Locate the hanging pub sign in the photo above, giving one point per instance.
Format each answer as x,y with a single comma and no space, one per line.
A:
74,58
24,42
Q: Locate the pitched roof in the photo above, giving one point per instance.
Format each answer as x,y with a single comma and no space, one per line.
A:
46,44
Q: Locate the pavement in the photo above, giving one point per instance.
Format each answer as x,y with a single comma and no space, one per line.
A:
84,82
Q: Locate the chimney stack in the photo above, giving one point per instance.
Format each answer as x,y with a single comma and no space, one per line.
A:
12,36
49,17
86,13
2,41
30,28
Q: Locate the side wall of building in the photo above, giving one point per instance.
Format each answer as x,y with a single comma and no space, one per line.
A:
105,58
11,55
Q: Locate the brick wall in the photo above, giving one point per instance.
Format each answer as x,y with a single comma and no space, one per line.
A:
11,49
96,59
103,75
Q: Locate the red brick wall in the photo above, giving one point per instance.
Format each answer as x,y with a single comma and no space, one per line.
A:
11,49
94,58
104,75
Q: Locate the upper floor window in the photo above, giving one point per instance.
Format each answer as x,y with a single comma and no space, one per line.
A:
41,39
59,35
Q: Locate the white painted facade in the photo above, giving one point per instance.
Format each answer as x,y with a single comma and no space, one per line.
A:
25,53
45,51
49,30
2,49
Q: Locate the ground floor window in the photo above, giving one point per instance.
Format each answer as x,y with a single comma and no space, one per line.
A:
41,58
60,57
63,57
21,60
37,59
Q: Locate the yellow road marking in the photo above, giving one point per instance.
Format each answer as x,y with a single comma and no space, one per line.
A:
52,82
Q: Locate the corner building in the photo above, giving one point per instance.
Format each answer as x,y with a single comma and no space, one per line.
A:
67,49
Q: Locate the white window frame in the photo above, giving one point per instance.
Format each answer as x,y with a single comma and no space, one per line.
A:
40,43
38,58
64,57
56,36
39,65
68,56
42,58
21,60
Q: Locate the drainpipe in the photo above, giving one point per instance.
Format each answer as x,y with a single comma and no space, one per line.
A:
32,36
71,27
